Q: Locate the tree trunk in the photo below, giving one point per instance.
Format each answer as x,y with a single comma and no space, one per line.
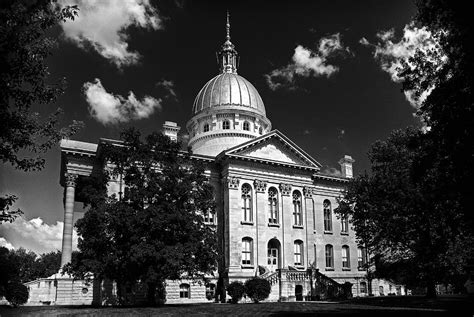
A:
150,294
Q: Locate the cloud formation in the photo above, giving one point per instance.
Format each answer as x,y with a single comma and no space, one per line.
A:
103,25
34,235
108,108
4,243
391,54
306,62
168,86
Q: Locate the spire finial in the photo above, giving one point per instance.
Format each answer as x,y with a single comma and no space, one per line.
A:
227,57
227,27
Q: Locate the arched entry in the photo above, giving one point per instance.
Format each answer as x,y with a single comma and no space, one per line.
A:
273,260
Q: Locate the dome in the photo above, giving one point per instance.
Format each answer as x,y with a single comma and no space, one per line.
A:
228,110
229,89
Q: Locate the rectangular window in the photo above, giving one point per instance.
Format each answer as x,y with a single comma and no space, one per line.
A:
209,218
247,210
273,206
361,258
329,257
345,257
246,252
298,253
327,216
344,224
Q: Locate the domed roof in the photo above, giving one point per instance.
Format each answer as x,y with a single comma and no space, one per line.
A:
229,89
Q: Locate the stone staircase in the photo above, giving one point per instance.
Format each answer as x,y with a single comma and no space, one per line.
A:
317,285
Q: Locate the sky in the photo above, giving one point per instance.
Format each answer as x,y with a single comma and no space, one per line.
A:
324,69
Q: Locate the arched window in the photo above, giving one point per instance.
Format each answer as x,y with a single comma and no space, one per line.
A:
273,205
247,203
209,217
346,258
226,125
344,224
247,251
297,215
363,287
184,291
260,130
329,256
206,127
298,249
361,258
246,126
327,215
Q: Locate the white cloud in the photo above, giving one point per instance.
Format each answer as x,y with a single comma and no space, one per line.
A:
391,54
306,62
4,243
168,85
108,108
103,24
34,235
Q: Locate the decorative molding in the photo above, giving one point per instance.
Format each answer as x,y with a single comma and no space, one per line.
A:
285,189
260,186
71,179
233,182
308,192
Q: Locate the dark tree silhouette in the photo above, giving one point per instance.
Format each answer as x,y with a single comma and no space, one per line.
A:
24,83
156,231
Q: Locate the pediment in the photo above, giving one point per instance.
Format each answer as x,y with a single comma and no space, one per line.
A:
273,147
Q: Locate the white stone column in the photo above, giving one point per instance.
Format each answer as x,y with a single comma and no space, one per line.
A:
68,218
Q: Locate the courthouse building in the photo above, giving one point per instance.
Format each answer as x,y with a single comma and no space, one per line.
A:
275,207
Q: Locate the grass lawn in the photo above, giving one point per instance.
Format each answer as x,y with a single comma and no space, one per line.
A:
375,306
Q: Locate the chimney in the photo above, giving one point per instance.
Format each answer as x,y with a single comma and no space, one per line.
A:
171,129
346,166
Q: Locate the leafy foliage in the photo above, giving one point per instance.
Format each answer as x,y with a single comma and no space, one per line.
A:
16,293
448,111
156,230
24,83
257,289
236,291
398,216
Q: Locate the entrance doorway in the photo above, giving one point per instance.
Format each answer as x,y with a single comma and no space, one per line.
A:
299,292
273,260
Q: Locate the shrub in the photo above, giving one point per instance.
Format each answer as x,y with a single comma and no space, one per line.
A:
16,293
236,291
257,289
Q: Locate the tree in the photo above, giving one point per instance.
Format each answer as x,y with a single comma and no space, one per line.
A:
155,230
236,291
48,264
398,217
25,262
24,83
257,289
16,293
448,110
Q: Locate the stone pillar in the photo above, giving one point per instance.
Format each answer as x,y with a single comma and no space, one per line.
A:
68,218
